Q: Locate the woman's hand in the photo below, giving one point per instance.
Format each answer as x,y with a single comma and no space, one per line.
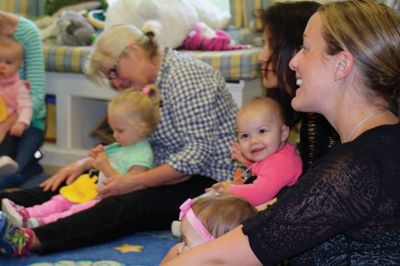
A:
236,154
119,185
172,253
68,173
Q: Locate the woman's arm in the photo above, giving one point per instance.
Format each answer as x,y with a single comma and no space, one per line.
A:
68,173
125,183
28,34
230,249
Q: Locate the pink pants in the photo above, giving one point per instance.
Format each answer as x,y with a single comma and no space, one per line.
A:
56,208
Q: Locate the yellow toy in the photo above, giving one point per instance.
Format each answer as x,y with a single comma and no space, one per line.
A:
3,110
81,190
96,18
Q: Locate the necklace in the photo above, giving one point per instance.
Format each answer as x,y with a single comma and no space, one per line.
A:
358,126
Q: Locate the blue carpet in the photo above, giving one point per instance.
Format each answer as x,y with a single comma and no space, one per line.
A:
143,249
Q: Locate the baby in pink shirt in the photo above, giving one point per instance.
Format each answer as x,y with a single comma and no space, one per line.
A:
15,101
262,146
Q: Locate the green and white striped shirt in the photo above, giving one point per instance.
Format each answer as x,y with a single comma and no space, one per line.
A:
32,68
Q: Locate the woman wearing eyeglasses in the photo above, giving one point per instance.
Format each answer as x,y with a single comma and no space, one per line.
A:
190,145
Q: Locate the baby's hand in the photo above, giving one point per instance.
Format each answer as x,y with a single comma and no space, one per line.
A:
216,186
101,161
224,187
96,150
2,135
236,154
18,129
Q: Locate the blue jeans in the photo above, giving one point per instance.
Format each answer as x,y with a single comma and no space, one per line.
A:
22,150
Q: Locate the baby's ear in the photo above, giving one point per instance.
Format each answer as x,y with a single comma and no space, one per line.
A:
285,133
145,128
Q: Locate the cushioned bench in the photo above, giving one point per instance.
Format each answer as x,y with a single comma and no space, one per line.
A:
234,65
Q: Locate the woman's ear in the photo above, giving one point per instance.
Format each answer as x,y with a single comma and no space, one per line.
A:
344,65
133,49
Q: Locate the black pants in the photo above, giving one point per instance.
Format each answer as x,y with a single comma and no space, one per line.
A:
143,210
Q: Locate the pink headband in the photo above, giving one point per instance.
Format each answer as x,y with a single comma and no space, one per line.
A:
146,90
187,211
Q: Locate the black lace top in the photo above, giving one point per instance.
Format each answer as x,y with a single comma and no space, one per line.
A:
344,210
317,136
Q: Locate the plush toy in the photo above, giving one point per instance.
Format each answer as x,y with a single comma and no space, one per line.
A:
73,29
83,189
205,38
176,17
52,26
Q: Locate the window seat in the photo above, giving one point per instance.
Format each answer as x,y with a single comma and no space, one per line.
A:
235,65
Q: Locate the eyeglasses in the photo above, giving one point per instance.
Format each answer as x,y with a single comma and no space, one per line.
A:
113,72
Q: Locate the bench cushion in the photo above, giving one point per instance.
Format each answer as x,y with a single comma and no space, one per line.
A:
234,65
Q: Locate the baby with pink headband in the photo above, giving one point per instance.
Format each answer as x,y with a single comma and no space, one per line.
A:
208,218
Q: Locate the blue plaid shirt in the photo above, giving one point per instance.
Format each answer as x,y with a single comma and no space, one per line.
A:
197,118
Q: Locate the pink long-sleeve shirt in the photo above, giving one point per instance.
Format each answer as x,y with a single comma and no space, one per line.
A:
275,172
15,93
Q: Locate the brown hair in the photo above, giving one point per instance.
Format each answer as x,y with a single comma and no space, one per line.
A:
138,106
222,213
266,102
371,33
285,23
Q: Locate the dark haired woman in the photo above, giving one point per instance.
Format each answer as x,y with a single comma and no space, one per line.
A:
283,36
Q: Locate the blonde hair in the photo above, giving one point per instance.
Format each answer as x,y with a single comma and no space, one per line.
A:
12,47
111,45
371,33
221,213
138,106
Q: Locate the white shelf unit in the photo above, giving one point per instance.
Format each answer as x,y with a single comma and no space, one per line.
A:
81,103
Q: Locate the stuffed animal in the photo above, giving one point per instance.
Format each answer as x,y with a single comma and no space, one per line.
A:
205,38
176,17
54,28
73,29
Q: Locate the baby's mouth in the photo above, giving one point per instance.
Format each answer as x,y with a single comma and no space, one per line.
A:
257,150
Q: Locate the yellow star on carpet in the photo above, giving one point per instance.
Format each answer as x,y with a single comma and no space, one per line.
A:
126,248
